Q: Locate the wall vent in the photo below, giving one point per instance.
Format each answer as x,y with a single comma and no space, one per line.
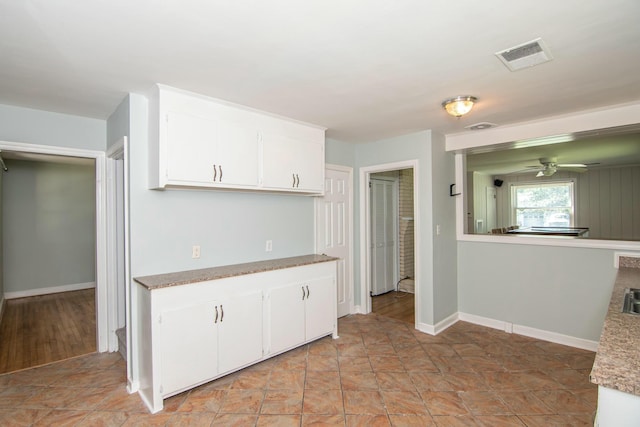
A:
525,55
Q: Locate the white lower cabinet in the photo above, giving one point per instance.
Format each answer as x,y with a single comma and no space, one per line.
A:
190,334
298,313
188,346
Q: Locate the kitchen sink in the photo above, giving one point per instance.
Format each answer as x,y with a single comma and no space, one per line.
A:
631,304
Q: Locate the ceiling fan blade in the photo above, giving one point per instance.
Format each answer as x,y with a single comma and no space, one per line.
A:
572,165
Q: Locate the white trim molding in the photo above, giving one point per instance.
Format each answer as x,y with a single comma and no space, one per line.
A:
49,290
438,327
527,331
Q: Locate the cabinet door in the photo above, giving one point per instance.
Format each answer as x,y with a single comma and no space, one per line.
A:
192,148
286,317
320,308
188,346
238,154
240,331
292,164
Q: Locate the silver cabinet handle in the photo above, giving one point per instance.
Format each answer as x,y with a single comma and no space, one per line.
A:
216,321
293,175
297,181
308,293
302,293
215,173
222,315
220,180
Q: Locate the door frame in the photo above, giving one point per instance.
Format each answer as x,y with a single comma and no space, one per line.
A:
318,223
102,299
365,228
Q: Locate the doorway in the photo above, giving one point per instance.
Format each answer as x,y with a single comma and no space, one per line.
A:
99,225
48,230
388,200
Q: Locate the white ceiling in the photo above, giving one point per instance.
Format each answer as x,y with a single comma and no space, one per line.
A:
366,70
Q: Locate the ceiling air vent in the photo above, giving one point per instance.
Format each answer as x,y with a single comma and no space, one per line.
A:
525,55
481,126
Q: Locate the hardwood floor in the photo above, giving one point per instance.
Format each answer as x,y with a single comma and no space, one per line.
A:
47,328
396,305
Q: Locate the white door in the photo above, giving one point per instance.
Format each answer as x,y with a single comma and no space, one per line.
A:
333,213
383,204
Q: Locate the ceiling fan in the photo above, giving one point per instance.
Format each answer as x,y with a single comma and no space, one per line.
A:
549,166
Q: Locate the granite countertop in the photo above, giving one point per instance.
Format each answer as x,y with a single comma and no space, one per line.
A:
617,363
157,281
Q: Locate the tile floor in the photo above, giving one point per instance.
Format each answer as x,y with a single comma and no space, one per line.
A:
380,372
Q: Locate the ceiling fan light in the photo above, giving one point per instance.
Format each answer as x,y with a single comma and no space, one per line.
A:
460,105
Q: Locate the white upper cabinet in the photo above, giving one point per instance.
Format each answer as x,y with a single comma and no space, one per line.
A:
293,164
195,141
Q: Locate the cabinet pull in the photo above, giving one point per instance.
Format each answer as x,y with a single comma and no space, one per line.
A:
297,181
222,313
302,293
308,293
216,321
215,173
220,180
293,175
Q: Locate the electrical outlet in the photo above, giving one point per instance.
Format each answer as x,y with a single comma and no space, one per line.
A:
269,246
195,251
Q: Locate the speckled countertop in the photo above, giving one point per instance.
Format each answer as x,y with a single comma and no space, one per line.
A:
617,363
192,276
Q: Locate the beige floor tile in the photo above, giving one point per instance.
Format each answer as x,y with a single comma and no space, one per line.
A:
411,420
367,421
403,402
363,402
282,402
279,420
286,380
326,402
323,420
358,381
322,380
242,402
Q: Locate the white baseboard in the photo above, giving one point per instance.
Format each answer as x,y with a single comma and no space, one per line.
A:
438,327
357,310
527,331
51,290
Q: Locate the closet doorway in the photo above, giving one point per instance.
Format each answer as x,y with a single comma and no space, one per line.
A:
390,241
45,277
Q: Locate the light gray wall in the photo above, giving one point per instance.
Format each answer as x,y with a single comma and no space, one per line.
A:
230,227
444,245
435,275
46,128
48,225
340,153
118,122
556,289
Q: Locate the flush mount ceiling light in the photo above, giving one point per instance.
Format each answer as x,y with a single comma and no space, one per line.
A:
460,105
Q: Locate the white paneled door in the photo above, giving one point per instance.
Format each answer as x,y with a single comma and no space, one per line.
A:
333,228
384,208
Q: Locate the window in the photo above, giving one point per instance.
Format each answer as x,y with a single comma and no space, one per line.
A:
545,204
